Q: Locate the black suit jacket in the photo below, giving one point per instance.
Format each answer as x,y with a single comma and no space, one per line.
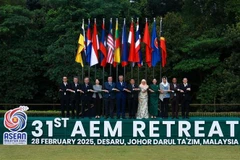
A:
175,92
186,94
86,95
64,94
134,93
76,95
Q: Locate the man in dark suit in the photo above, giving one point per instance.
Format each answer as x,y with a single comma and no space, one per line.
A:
174,97
185,90
121,97
109,97
87,90
64,90
132,98
75,97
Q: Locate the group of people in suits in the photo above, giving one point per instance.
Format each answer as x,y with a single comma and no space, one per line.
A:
86,100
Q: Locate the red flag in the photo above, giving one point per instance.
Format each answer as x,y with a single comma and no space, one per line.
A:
95,46
164,51
148,49
133,57
102,47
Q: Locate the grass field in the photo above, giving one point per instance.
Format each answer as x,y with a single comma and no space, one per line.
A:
43,152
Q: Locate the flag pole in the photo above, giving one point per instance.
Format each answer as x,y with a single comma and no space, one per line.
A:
89,62
83,48
132,64
146,69
124,68
116,63
161,52
139,58
110,63
154,19
95,68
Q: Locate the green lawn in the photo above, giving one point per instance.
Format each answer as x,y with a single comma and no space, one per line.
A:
119,152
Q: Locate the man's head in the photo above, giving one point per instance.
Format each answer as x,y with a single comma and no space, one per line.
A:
86,80
75,80
185,80
109,78
65,79
174,80
120,78
132,81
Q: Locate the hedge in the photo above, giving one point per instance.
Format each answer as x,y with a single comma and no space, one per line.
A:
54,113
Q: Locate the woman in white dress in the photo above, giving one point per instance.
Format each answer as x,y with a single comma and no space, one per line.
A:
143,100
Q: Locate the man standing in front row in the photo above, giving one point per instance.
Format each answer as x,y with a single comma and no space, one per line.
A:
185,90
121,97
132,98
87,90
174,97
109,97
75,97
64,90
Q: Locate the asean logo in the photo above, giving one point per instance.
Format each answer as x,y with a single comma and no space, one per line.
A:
15,120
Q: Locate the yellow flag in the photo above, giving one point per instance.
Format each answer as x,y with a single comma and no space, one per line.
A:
81,46
117,58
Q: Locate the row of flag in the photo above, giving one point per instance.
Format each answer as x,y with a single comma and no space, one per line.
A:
113,50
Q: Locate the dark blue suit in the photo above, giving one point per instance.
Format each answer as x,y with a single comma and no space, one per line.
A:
109,98
86,100
185,100
121,99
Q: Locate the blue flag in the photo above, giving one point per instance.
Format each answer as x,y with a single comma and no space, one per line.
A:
89,44
156,57
124,46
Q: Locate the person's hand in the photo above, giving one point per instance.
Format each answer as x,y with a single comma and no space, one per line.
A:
151,90
181,91
188,89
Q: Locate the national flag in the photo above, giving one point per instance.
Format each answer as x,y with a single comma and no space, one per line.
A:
81,47
163,51
124,45
89,44
156,57
102,47
95,46
117,56
132,54
110,45
147,41
138,45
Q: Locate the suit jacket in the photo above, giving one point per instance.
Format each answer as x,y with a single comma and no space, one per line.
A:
134,93
76,95
120,87
111,93
175,92
186,94
86,95
64,94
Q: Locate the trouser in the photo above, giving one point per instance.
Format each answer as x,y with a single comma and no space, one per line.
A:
86,107
185,108
75,106
109,107
121,103
97,105
65,106
132,105
175,107
164,108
